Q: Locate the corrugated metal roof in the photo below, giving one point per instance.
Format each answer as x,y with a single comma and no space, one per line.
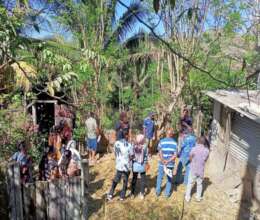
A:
236,99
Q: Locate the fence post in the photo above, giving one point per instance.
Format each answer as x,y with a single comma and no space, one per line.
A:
84,188
15,191
41,199
29,201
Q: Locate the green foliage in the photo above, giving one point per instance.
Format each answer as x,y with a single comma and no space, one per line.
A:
14,128
98,73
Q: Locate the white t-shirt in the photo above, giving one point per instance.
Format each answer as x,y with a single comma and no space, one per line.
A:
123,153
91,126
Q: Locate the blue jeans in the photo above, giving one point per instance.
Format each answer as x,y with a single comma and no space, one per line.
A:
180,167
159,182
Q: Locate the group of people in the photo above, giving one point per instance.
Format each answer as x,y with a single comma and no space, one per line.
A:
181,160
60,157
185,155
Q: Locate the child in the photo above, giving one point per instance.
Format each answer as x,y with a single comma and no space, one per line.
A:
139,163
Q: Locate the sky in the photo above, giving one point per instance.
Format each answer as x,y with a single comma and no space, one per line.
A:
54,29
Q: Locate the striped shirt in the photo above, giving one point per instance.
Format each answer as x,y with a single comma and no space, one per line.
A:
168,148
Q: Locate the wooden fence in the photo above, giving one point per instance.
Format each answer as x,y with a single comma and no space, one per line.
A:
61,199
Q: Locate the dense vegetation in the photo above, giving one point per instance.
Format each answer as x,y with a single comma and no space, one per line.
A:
153,55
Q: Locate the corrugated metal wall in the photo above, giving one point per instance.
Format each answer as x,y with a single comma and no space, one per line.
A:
245,140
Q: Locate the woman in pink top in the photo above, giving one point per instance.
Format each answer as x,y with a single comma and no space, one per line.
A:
198,157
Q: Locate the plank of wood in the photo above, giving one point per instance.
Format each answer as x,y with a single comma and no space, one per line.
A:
69,199
11,191
29,201
18,192
53,213
62,198
76,197
41,199
84,188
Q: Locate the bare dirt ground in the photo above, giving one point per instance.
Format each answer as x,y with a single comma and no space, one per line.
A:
215,204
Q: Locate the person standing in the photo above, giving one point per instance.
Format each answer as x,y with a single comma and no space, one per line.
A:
24,161
198,157
124,155
74,165
139,164
188,143
186,120
167,148
92,132
149,131
122,126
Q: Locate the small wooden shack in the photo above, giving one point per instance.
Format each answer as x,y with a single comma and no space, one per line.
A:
234,161
49,112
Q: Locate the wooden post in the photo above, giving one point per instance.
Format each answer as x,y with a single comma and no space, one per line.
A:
76,198
15,191
53,208
63,199
29,201
10,190
84,188
41,198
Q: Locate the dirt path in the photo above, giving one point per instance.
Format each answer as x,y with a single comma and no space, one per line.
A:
215,204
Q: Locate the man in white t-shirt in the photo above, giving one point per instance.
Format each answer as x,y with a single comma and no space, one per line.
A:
92,132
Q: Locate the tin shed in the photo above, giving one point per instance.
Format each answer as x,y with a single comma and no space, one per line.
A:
234,162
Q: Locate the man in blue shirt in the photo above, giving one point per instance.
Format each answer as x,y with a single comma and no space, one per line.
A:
167,148
188,143
149,128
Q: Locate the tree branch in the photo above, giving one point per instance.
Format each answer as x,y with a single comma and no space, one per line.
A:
172,49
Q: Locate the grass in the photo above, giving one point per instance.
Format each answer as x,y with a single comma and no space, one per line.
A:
215,204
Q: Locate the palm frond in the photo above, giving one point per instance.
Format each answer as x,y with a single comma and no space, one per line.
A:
128,20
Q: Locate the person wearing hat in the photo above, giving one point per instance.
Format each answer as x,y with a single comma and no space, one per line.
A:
149,130
167,148
139,163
